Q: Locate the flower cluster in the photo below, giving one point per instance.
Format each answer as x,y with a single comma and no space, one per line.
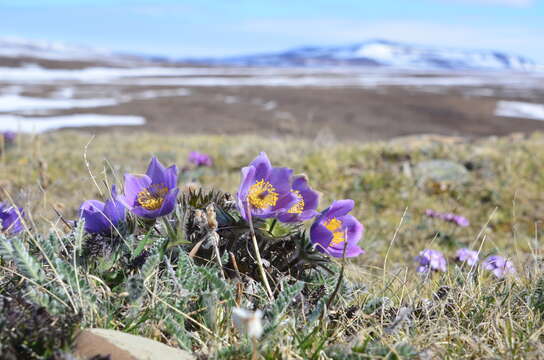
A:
471,257
499,266
433,260
273,192
151,195
200,159
449,217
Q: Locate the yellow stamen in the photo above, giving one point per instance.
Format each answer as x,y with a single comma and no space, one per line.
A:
152,197
334,225
262,195
299,206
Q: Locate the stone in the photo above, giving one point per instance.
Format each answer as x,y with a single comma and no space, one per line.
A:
122,346
441,171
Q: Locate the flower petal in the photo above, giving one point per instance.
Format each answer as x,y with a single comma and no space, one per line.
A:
133,185
339,208
262,166
156,171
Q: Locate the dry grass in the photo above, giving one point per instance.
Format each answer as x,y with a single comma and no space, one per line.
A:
476,317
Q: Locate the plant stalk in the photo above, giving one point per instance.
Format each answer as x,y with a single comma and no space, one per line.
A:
258,255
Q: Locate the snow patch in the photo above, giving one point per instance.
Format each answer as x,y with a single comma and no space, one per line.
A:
520,109
9,103
13,103
43,124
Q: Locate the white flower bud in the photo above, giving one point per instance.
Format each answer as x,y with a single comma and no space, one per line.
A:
248,322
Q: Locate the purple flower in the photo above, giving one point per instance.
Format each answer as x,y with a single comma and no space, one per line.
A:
450,217
265,190
200,159
307,201
151,195
9,137
468,256
499,265
10,219
101,217
334,229
429,259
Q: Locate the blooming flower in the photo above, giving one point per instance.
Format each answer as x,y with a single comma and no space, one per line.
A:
499,266
334,229
307,201
10,219
450,217
200,159
248,322
151,195
9,137
265,190
101,217
468,256
429,259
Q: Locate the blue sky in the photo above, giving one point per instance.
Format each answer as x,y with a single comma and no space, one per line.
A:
228,27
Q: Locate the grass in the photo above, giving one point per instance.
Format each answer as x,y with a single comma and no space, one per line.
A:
383,310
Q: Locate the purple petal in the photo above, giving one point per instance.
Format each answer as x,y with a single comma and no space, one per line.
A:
156,171
354,228
262,166
169,202
247,179
339,208
280,179
352,250
166,208
11,219
92,211
310,196
133,185
320,235
114,209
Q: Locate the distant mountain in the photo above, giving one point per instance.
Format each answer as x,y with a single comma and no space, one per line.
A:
17,51
383,53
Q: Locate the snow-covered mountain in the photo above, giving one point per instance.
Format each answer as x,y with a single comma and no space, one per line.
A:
385,53
20,48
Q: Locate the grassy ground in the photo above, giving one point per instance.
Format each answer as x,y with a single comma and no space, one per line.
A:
477,316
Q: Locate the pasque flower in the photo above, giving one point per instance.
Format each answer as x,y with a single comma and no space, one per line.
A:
307,202
10,219
468,256
200,159
151,195
450,217
337,233
429,259
265,190
9,137
499,266
101,218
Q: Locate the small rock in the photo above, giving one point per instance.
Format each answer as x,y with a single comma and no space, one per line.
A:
122,346
441,171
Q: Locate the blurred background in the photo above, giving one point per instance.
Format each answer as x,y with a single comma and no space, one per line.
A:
346,69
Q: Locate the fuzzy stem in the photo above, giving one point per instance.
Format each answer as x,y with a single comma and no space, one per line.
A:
218,257
254,344
258,255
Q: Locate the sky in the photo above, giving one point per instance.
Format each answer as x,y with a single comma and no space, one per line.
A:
201,28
